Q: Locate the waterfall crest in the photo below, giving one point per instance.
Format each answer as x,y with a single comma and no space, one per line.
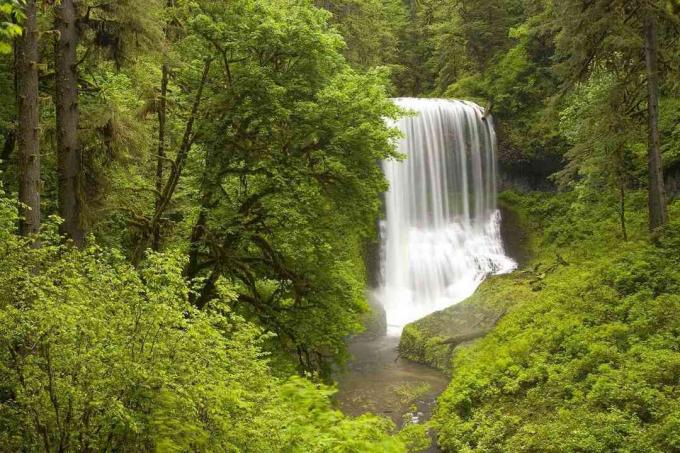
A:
441,233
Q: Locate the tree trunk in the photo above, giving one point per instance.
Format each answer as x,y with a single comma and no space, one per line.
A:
164,197
197,232
66,101
160,162
657,192
462,338
162,115
29,122
622,208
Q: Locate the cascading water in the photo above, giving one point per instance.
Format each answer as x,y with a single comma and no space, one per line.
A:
441,235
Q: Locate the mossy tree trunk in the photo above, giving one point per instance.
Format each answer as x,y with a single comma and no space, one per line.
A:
657,193
29,122
66,102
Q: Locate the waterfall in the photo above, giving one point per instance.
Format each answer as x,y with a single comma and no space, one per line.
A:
441,233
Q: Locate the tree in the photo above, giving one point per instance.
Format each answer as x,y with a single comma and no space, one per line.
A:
657,193
27,60
287,158
500,54
96,355
416,72
95,42
371,29
604,159
162,125
66,102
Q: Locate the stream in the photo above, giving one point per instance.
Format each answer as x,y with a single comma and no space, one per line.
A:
377,380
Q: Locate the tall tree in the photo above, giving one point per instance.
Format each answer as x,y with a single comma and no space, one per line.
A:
657,193
621,37
66,101
160,159
27,60
162,125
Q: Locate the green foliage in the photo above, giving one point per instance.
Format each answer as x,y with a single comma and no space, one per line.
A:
278,156
415,436
588,364
95,354
603,62
371,29
533,60
608,149
10,14
314,426
514,75
274,188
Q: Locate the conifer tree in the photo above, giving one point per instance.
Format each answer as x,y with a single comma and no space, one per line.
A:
66,102
27,60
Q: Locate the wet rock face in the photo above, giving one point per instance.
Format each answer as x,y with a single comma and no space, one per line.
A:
522,173
372,262
433,339
514,235
375,321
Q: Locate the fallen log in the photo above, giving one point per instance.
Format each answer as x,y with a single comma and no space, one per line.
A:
462,338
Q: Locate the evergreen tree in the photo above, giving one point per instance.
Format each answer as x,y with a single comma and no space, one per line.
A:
67,113
657,193
27,61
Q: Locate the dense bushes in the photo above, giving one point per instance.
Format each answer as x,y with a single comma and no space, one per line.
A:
592,363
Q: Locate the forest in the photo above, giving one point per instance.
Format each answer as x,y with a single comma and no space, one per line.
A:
191,201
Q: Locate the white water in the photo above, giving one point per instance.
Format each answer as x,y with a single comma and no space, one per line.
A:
441,235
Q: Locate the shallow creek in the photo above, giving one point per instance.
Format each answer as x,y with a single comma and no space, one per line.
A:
377,380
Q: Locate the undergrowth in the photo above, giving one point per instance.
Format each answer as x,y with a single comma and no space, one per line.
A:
590,362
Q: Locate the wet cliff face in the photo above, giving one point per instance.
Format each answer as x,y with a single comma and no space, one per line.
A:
514,235
526,162
372,262
672,176
528,174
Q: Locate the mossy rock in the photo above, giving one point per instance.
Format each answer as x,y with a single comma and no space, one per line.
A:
374,321
424,341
